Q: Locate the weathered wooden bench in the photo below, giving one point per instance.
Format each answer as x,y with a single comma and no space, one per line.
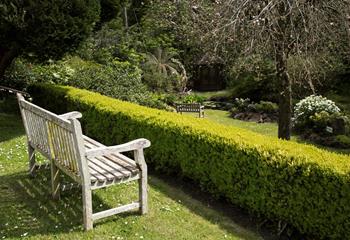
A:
91,164
190,107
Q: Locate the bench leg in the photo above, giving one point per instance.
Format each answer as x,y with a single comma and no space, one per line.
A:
31,156
87,208
55,181
201,113
143,191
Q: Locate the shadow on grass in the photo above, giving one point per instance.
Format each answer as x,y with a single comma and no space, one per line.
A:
233,219
10,126
26,206
298,139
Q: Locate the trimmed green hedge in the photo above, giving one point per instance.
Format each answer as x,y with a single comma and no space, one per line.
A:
305,186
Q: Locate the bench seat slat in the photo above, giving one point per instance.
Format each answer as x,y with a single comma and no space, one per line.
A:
118,158
122,161
115,170
104,174
95,176
116,167
109,167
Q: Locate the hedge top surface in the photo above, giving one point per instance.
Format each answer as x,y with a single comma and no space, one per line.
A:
274,148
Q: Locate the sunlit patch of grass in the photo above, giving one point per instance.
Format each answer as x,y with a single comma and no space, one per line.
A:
268,129
223,117
27,210
217,94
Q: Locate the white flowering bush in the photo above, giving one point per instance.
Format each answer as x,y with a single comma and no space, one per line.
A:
313,111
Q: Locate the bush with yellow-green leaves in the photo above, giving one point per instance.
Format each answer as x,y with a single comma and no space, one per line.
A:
302,185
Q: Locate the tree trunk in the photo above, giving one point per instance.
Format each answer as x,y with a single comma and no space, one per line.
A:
126,21
285,96
284,83
6,58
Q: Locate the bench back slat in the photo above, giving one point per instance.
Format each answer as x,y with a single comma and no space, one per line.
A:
56,137
36,131
29,107
63,146
190,107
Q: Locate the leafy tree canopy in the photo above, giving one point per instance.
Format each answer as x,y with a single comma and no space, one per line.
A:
44,29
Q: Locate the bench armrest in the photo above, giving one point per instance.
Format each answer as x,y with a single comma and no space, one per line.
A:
71,115
134,145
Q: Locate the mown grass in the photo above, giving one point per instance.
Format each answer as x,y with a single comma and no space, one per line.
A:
223,117
211,94
27,210
268,129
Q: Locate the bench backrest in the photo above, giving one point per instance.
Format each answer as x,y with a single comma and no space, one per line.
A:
63,145
188,107
35,126
58,139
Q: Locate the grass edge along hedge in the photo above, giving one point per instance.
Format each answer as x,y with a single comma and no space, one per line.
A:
302,185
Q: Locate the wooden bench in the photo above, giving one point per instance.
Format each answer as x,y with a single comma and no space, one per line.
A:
91,164
190,107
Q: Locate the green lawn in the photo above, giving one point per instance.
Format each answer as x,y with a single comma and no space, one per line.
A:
223,117
268,129
208,95
27,211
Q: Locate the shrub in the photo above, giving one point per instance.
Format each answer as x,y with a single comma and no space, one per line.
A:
266,107
193,98
241,104
300,184
245,105
160,82
159,101
253,77
343,141
110,43
19,75
166,98
22,73
261,112
120,80
162,72
314,112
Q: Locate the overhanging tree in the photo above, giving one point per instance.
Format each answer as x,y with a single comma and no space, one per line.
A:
285,28
278,29
43,29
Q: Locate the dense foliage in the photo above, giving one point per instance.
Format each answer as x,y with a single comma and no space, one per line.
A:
253,77
321,120
302,185
120,80
245,109
307,110
44,29
192,45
